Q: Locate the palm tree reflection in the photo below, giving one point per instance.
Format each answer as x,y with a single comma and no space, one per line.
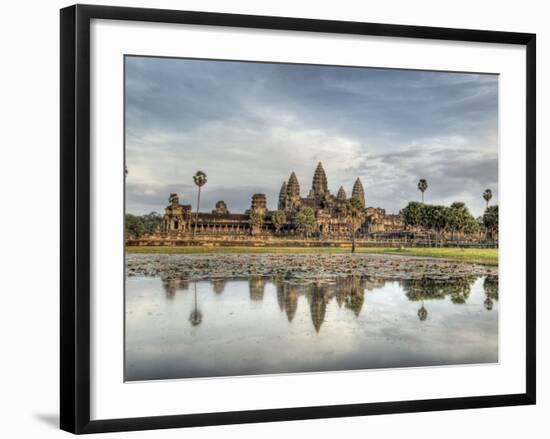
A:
457,289
422,313
196,316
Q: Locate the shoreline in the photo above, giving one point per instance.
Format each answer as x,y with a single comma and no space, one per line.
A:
299,266
487,257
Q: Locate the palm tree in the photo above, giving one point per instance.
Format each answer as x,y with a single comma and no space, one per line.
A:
200,180
256,219
422,186
305,221
487,195
278,218
354,214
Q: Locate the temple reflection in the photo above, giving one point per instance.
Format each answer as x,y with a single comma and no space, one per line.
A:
347,291
172,285
317,297
287,297
256,284
218,285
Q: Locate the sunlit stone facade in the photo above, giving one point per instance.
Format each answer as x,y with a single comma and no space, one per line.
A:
181,221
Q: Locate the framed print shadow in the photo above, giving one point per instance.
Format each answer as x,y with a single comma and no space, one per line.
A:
305,218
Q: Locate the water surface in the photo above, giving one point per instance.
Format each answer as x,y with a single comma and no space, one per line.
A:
184,329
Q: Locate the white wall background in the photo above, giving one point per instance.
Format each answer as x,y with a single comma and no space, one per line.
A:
29,200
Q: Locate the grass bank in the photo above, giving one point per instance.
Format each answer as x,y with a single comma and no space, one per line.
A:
473,255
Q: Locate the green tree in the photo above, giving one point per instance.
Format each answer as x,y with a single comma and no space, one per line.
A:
139,225
412,213
490,220
278,218
354,213
461,220
152,221
200,180
256,220
435,218
134,226
487,195
471,225
305,221
422,186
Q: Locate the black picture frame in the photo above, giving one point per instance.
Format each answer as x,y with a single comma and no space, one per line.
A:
75,217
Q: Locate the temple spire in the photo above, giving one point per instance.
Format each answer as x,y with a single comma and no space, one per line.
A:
358,191
282,197
293,187
320,184
341,196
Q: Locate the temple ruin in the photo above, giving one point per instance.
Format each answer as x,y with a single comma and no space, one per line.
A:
180,222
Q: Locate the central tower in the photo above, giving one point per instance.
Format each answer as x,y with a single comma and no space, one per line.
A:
319,185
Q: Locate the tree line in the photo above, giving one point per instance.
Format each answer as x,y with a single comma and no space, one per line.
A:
455,219
139,225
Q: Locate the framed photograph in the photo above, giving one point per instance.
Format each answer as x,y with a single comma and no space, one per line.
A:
268,218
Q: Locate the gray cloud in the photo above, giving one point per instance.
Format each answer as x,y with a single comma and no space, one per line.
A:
248,125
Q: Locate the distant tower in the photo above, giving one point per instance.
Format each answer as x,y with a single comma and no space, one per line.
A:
341,196
293,191
221,208
319,185
282,197
358,191
293,187
259,204
173,199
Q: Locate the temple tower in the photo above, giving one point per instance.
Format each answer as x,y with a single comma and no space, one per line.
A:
358,191
221,208
173,199
293,191
341,196
319,185
282,197
259,204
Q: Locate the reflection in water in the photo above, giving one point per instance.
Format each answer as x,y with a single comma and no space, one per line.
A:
173,285
422,313
218,285
457,289
490,285
243,333
196,316
348,291
256,285
287,297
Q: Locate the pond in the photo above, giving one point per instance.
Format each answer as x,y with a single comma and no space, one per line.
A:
266,325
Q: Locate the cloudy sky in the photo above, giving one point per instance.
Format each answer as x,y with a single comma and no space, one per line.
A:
249,125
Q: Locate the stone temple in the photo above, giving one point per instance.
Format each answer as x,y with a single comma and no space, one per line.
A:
180,222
